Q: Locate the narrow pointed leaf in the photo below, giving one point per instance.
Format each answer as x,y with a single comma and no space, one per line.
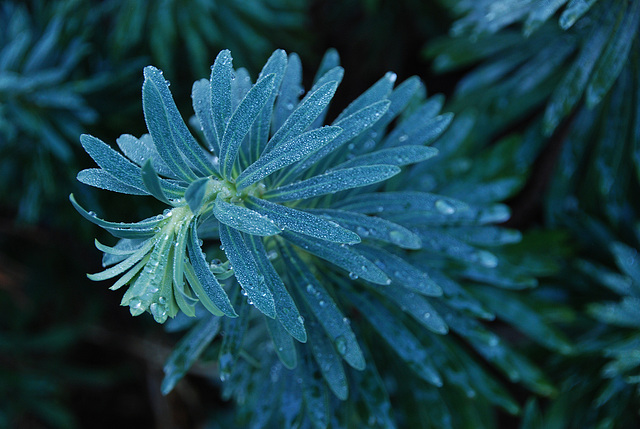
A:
244,219
399,156
286,309
326,311
200,96
203,282
220,96
188,350
152,182
372,227
112,162
172,138
142,149
99,178
303,222
194,195
124,265
246,270
418,307
401,272
333,182
377,92
340,255
241,121
286,154
283,343
290,91
401,340
328,360
304,114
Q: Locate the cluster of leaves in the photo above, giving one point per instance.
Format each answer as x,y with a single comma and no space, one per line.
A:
276,190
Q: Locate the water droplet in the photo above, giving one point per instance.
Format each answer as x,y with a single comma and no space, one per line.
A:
403,138
159,312
341,345
136,307
353,276
445,207
362,232
162,300
426,315
321,303
167,212
159,217
487,259
301,320
311,289
272,255
92,214
289,106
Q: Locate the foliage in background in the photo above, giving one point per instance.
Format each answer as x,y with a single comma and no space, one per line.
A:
546,98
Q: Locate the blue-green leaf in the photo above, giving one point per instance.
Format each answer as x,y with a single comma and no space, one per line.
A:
188,350
286,153
401,272
100,178
377,92
200,96
328,360
142,229
303,222
290,91
615,56
241,121
246,270
314,392
335,324
418,132
276,64
340,255
244,219
418,307
333,182
304,114
401,340
123,266
203,282
372,227
286,309
142,149
112,162
234,332
399,156
152,182
574,11
172,138
283,343
194,195
220,95
402,202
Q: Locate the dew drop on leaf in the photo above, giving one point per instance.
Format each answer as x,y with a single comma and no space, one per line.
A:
341,345
444,207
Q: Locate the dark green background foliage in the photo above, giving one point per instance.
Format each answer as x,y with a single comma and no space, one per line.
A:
462,250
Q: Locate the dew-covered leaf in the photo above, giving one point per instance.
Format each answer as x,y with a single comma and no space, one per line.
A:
175,144
195,192
286,153
112,162
303,222
201,96
400,271
188,350
142,149
335,324
399,156
203,282
304,114
241,121
340,255
244,219
333,182
372,227
283,343
401,340
314,392
246,270
123,266
377,92
142,229
152,182
328,360
417,306
234,333
419,132
99,178
220,96
286,310
290,91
